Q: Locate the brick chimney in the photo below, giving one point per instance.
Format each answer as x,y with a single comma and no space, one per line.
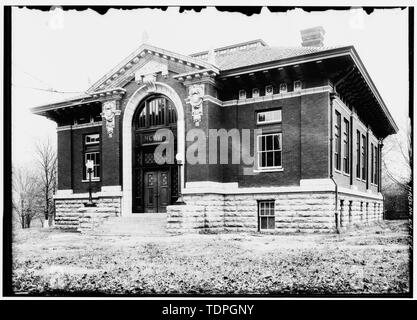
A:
312,37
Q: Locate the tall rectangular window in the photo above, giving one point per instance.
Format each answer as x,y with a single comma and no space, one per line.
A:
376,167
337,139
95,157
363,157
346,143
372,163
269,151
92,152
266,212
358,154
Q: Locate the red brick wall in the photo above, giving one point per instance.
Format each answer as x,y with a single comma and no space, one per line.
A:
110,162
315,136
64,160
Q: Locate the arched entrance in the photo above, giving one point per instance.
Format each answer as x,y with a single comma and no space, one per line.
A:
132,105
154,185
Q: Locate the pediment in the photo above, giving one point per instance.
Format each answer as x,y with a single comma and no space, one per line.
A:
148,60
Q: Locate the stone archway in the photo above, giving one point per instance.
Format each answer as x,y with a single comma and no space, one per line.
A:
132,104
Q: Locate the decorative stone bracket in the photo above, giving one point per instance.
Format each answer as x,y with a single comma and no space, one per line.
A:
109,113
195,98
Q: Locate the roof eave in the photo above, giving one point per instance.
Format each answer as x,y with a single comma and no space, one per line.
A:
86,98
364,72
347,50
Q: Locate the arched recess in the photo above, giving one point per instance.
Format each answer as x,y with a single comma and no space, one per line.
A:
132,104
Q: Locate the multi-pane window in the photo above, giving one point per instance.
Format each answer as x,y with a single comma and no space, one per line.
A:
156,111
346,143
95,157
376,168
364,155
358,154
92,153
266,211
91,139
271,116
337,139
372,163
270,151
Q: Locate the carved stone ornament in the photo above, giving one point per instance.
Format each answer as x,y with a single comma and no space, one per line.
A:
147,74
195,96
109,112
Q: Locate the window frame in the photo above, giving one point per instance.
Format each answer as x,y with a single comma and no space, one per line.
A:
91,148
259,152
268,217
346,144
372,163
338,141
92,142
270,121
93,176
153,113
358,154
364,158
376,166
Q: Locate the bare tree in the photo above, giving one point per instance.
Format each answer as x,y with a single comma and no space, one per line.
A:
26,201
47,160
397,160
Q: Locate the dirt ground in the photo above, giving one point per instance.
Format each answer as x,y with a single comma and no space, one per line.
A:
373,260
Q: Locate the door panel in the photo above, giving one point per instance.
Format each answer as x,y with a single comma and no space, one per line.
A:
151,180
163,190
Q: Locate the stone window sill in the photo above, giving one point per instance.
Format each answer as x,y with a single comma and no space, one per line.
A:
92,180
269,170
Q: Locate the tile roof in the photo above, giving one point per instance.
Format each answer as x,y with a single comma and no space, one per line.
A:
262,54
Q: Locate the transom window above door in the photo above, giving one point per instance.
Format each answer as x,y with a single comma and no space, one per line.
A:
155,111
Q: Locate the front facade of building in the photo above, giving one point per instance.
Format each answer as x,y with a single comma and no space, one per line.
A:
309,119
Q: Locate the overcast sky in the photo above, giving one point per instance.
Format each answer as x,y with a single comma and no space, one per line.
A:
67,51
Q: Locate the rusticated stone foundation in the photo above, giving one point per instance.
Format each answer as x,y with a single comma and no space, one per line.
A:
91,217
310,212
67,214
359,211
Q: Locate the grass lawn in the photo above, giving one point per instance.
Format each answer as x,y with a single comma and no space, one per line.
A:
374,260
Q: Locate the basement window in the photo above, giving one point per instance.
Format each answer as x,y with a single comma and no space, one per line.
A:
266,213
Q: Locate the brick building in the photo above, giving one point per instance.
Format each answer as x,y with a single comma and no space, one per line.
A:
315,119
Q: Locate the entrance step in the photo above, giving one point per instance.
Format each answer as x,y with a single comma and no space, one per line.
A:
140,224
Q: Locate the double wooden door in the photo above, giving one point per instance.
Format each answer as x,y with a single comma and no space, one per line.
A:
156,190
